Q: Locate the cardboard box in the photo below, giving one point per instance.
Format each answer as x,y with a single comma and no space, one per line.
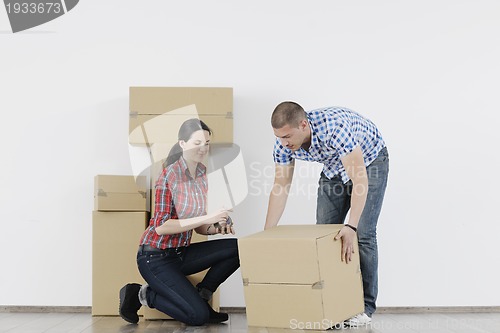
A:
156,113
293,278
115,240
121,193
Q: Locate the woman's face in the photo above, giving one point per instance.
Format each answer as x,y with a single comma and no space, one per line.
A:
196,148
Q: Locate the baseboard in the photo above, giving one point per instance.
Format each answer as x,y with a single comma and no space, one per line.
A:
233,309
409,309
438,309
380,310
46,309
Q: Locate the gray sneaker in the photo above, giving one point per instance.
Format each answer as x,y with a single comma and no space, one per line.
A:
358,320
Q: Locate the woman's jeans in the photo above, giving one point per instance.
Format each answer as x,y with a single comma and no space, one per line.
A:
334,201
171,292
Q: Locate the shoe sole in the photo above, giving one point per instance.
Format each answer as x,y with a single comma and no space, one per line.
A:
216,321
122,298
356,325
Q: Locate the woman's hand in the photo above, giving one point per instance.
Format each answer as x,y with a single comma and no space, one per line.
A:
219,217
218,223
225,228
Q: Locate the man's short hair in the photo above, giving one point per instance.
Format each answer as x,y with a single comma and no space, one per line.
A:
287,113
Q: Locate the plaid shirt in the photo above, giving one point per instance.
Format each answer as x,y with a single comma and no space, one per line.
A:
335,132
178,196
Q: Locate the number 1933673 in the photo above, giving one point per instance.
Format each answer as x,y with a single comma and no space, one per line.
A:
34,8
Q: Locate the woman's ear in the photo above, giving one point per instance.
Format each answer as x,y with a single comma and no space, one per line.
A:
182,144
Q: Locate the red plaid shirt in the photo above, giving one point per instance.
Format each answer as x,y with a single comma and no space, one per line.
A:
178,196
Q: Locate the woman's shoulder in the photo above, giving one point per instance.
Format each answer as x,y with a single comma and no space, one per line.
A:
167,175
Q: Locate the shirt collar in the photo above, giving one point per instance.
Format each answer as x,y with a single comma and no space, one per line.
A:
314,132
314,139
200,168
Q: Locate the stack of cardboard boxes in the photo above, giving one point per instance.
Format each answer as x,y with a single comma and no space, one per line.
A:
119,219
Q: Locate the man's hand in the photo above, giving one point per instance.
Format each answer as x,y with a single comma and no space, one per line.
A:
346,235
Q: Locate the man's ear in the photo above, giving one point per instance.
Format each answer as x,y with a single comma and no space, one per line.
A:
303,124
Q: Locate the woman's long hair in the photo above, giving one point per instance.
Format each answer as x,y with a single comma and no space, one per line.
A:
187,129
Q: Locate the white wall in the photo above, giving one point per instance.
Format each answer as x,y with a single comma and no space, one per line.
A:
427,73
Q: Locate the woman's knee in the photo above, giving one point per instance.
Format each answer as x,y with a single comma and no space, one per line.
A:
231,246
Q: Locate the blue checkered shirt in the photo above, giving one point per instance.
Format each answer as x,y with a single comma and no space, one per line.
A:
335,132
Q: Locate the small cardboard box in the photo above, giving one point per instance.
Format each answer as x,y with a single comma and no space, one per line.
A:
293,277
115,240
120,193
156,113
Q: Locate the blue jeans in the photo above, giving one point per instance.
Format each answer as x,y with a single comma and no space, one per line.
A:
171,292
334,201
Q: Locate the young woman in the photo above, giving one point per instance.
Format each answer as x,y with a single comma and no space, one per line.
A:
166,255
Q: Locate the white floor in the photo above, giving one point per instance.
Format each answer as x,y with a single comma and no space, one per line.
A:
382,323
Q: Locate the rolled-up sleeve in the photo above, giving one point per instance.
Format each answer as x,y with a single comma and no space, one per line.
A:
163,202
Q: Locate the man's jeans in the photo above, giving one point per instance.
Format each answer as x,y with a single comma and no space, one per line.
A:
171,292
334,201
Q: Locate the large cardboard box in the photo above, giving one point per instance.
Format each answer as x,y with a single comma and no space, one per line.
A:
115,240
156,113
121,193
293,278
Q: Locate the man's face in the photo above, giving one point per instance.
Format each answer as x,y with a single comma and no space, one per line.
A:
292,137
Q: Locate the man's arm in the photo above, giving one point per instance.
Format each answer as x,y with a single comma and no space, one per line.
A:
355,168
277,199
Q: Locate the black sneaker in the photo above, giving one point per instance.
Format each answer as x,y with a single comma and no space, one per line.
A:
129,302
216,317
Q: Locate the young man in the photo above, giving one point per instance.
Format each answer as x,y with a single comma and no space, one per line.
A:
354,176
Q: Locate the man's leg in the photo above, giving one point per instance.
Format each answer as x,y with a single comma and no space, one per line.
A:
333,204
333,201
367,229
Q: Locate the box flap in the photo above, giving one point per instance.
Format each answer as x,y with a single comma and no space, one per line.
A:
302,231
284,254
104,184
164,128
160,100
283,305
